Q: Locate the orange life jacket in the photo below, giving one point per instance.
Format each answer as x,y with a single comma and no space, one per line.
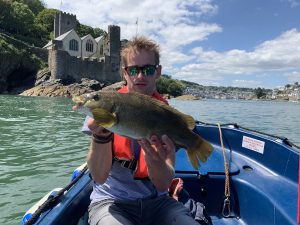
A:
122,146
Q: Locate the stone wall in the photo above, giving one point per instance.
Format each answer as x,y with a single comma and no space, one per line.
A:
39,52
66,67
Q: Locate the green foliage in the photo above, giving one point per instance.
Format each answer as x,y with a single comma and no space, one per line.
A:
260,92
99,32
23,18
83,30
44,22
188,83
6,16
166,85
175,88
31,19
288,86
35,6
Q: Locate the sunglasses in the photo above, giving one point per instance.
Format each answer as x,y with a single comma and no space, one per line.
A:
147,70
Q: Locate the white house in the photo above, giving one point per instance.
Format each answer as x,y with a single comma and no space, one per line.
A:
83,47
100,41
89,46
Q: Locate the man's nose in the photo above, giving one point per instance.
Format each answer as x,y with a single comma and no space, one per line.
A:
140,73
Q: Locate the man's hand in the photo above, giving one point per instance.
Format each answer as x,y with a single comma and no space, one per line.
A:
160,160
158,150
96,129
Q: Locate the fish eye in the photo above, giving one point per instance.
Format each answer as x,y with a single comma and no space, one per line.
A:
96,97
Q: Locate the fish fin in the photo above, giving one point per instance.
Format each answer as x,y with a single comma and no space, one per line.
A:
189,120
105,118
156,104
199,152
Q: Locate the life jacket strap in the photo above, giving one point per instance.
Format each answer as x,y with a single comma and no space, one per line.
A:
129,164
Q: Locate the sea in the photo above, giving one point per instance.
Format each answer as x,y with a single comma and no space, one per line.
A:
41,141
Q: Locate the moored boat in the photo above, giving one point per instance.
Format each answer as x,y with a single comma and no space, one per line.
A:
251,178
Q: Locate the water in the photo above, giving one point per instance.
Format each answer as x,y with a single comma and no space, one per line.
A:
41,142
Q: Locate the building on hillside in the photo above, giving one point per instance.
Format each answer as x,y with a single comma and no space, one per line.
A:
72,57
294,95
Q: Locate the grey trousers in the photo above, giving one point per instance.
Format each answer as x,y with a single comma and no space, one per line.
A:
162,210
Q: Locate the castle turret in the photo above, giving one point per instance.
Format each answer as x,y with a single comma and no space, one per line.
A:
64,22
114,36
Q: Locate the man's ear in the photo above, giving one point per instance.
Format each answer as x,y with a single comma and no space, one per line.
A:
158,71
122,71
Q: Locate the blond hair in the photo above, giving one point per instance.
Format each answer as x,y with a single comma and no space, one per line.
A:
137,44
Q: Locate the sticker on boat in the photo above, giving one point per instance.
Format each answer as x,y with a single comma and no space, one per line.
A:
253,144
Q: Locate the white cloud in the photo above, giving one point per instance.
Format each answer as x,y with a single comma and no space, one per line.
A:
293,3
293,76
274,56
246,83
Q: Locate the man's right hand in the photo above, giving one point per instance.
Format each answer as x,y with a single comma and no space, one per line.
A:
96,129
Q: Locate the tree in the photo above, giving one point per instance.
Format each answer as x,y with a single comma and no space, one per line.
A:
287,86
23,18
83,30
166,85
6,18
162,84
175,89
99,32
44,22
259,92
35,6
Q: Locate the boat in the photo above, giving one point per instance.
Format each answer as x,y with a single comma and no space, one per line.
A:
251,178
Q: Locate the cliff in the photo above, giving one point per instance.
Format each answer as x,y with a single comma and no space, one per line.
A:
19,63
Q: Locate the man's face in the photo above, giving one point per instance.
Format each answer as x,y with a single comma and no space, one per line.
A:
140,82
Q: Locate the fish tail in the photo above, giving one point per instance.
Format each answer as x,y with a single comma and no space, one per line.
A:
199,152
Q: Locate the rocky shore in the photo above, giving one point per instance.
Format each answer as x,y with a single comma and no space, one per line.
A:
44,86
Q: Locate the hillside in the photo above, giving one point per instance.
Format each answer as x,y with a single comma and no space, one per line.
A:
25,27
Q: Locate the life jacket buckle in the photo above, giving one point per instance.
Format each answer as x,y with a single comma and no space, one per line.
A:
129,164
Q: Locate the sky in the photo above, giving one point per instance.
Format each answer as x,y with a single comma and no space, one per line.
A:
238,43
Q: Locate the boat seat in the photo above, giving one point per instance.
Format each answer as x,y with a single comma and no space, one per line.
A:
213,165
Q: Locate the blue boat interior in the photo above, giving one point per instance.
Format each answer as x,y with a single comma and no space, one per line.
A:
263,185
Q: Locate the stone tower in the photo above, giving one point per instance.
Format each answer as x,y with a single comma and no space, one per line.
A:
114,36
63,22
113,45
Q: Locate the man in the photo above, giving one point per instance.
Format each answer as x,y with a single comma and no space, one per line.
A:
134,190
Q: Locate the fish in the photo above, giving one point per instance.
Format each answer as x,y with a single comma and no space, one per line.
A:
138,116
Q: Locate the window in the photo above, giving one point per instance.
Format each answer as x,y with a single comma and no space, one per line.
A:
101,50
73,45
89,46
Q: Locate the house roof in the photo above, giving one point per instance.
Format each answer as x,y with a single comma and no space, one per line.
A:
48,44
61,37
98,39
84,37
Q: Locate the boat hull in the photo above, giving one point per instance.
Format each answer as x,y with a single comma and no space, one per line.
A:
263,181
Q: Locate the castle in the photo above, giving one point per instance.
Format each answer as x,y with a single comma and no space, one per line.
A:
72,58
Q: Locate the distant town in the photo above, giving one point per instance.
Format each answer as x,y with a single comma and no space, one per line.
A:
290,92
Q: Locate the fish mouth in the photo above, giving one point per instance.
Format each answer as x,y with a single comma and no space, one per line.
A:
82,100
79,100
